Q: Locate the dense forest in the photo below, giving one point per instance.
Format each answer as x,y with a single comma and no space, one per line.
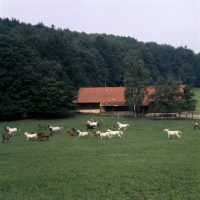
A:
42,68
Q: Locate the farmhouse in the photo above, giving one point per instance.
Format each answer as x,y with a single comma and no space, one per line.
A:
106,100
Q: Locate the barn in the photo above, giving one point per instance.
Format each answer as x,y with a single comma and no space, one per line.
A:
106,100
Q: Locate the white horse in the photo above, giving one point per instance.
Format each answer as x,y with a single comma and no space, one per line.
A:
82,134
30,136
12,130
55,128
113,133
122,126
102,135
95,124
172,133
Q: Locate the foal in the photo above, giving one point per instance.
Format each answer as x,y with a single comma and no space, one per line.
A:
41,127
71,133
5,138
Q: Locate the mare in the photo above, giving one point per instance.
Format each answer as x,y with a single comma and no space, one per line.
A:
102,135
113,133
122,125
43,136
11,130
172,133
93,123
82,134
30,136
55,128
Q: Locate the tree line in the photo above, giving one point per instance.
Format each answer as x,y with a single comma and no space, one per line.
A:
169,96
42,68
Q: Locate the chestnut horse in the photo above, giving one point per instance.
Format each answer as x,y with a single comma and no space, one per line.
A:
43,136
71,133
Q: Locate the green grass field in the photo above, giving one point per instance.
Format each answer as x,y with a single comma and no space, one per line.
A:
143,164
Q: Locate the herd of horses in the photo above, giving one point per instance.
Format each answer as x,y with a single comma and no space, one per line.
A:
92,126
91,129
42,133
39,135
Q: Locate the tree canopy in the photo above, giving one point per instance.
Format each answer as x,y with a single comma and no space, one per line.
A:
170,97
136,80
36,59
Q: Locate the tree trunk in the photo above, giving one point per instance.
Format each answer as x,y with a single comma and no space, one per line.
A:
135,111
143,113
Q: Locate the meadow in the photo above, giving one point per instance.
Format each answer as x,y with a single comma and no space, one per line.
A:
143,164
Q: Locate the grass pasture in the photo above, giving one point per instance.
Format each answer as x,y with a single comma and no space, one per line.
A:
142,165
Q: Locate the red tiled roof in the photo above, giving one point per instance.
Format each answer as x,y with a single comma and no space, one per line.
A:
102,95
109,96
106,96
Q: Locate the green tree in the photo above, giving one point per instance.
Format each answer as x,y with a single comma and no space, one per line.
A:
53,97
136,80
172,97
157,102
172,93
17,77
187,101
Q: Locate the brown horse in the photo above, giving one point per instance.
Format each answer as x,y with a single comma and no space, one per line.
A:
41,127
71,133
74,130
110,127
43,136
96,134
5,138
